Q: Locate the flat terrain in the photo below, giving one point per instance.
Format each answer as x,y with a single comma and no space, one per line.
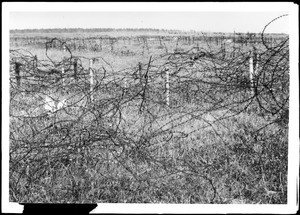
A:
148,116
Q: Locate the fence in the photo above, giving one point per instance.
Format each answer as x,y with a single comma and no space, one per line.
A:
74,63
139,115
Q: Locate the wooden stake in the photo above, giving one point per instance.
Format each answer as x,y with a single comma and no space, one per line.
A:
17,71
251,73
64,59
167,88
257,63
126,90
91,78
75,68
63,74
34,62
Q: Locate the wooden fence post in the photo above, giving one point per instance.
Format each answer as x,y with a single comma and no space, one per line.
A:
223,48
167,87
17,72
140,68
112,42
126,83
100,45
126,87
256,62
177,40
91,78
256,71
63,74
75,69
251,73
63,69
34,63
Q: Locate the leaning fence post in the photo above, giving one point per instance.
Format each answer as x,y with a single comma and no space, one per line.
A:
91,78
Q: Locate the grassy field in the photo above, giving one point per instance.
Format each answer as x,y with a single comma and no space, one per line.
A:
215,143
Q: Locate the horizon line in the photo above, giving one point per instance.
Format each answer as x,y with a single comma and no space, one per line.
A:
153,29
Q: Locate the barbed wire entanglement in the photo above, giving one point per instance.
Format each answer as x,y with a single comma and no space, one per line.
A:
189,126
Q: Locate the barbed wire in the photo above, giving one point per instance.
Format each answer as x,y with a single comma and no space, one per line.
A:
122,116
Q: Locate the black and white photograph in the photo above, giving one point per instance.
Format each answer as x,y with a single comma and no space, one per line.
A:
172,106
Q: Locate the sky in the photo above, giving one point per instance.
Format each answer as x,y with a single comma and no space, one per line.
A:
198,21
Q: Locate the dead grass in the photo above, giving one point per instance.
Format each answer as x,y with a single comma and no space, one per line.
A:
181,156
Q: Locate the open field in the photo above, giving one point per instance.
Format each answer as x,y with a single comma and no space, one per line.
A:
148,117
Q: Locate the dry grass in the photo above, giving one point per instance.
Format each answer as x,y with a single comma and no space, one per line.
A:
180,156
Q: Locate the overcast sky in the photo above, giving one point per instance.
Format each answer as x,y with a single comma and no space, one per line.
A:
199,21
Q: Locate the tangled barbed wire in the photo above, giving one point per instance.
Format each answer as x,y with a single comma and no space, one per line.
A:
145,122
